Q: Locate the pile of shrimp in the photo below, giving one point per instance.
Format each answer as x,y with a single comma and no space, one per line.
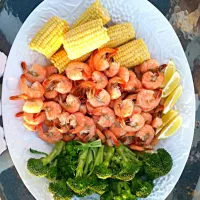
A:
92,100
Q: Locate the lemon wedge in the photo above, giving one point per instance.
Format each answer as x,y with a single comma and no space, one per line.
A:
171,85
172,99
171,128
169,71
167,118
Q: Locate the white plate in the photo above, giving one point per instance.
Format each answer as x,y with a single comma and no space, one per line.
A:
163,45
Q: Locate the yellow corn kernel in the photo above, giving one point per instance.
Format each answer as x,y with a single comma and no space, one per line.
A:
85,38
60,59
120,34
49,38
132,53
94,11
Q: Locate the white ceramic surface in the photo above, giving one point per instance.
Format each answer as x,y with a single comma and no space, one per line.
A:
163,45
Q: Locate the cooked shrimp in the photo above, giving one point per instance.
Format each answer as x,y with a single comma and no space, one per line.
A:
107,116
100,135
30,127
132,97
157,122
90,108
134,123
61,122
123,108
89,129
50,94
71,105
20,97
113,87
50,70
32,119
78,71
127,140
101,58
146,133
91,61
147,117
83,109
36,90
35,73
52,136
128,134
100,99
112,70
76,121
149,65
148,99
59,82
110,134
52,109
152,80
124,74
136,110
33,105
67,137
100,80
117,129
133,84
136,147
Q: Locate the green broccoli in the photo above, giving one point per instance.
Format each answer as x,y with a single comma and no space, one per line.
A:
79,184
125,164
97,185
39,167
103,171
52,174
118,190
142,188
60,190
157,164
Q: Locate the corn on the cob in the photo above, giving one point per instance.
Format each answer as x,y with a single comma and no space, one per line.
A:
120,34
85,38
49,39
132,53
60,60
94,11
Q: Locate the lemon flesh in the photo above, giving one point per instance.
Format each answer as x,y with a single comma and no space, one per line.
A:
171,128
169,71
171,85
167,118
172,99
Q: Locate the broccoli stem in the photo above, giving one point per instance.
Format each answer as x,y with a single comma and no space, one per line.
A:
109,155
89,160
99,157
96,143
56,151
81,162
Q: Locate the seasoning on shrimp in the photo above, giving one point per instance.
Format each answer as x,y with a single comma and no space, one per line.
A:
71,105
35,73
107,116
36,90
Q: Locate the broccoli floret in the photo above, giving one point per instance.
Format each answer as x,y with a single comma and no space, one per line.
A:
36,167
142,188
60,190
103,171
125,164
157,164
109,195
39,167
97,185
86,193
119,190
52,174
79,184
